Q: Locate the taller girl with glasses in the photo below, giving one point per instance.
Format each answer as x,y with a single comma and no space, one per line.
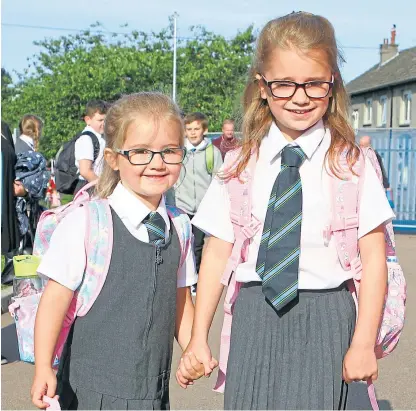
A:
118,356
294,338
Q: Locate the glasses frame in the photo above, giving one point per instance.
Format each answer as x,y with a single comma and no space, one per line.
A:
126,153
298,85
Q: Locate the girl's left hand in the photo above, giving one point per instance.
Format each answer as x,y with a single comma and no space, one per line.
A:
360,364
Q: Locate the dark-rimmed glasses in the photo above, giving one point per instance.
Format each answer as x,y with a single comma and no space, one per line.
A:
287,89
143,156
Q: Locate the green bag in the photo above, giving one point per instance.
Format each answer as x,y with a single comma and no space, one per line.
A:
209,158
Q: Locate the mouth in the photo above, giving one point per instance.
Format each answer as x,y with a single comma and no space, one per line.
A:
303,112
156,177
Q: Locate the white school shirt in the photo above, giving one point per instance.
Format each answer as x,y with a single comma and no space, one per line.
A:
64,262
201,146
84,150
319,266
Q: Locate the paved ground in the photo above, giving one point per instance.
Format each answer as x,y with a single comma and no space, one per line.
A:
396,388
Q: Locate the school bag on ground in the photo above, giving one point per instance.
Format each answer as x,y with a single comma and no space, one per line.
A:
343,226
98,244
66,172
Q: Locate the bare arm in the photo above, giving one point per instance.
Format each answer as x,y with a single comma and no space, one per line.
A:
372,288
86,171
49,318
184,316
213,264
360,362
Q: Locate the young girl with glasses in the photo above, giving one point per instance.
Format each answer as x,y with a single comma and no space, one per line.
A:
118,356
294,337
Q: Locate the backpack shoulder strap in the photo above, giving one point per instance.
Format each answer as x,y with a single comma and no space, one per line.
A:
209,157
183,227
345,195
99,246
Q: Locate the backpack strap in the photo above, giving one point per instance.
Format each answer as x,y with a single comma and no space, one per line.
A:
183,227
346,194
209,158
245,227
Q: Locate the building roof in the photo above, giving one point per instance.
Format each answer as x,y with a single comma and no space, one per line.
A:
400,69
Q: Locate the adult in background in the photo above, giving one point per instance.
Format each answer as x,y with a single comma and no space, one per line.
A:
30,127
365,142
227,141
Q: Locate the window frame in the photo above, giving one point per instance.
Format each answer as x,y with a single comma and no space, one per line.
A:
368,111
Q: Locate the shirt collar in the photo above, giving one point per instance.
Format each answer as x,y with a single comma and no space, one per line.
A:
201,146
28,140
309,141
128,206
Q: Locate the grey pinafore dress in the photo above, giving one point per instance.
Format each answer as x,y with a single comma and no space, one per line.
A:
119,355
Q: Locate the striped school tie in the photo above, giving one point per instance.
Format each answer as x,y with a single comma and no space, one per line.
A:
156,226
278,259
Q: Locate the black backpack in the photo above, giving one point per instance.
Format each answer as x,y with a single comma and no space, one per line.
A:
66,172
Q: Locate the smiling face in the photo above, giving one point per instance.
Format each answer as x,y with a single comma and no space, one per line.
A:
148,182
298,113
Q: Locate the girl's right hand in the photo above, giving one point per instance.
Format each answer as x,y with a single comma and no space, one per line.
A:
195,362
44,383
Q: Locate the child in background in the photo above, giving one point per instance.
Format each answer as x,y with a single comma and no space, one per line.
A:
200,166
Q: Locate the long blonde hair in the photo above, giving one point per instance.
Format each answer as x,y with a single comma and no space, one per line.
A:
155,107
31,126
302,31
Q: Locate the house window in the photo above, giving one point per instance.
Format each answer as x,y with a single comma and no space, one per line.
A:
382,112
355,119
406,107
368,111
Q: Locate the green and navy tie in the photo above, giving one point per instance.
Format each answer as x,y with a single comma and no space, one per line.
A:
278,259
155,225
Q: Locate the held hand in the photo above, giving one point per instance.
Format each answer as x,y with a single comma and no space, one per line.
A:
196,361
44,383
360,364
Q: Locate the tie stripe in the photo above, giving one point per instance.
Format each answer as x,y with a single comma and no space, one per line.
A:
279,252
155,228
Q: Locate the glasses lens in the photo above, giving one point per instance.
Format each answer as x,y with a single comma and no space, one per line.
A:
173,155
282,89
317,89
139,157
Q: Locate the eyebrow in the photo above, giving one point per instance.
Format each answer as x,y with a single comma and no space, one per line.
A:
318,78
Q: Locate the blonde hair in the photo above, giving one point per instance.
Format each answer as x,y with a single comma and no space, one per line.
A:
31,125
155,107
306,32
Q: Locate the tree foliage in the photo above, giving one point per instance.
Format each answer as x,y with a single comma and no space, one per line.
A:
71,70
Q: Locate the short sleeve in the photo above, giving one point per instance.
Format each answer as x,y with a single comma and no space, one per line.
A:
374,206
213,215
187,275
84,148
64,262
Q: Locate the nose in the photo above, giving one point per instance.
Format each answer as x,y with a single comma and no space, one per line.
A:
300,97
157,161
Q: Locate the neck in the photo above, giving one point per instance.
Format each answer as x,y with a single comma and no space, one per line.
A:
151,202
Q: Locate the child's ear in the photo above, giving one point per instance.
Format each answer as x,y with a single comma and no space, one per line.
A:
111,158
87,120
262,87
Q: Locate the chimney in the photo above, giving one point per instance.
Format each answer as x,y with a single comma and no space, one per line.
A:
388,51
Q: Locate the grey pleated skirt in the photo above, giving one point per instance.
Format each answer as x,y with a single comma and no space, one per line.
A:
291,359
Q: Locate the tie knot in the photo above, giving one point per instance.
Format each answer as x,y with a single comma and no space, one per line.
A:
293,156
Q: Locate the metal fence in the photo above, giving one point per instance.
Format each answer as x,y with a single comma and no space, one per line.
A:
397,148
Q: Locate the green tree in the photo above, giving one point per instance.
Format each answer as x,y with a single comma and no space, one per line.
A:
71,70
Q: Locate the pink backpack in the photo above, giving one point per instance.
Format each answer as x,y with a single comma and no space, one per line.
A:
344,227
99,245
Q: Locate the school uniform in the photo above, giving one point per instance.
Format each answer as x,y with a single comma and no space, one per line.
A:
119,355
84,150
292,357
24,144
